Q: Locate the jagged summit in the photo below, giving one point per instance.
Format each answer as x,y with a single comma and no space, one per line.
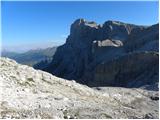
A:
82,21
114,22
90,44
82,29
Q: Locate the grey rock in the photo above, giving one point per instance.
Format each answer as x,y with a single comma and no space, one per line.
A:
128,71
37,94
89,45
143,39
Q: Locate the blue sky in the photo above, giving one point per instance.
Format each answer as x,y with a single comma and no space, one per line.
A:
28,25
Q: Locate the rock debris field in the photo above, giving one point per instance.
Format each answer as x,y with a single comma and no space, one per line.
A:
29,93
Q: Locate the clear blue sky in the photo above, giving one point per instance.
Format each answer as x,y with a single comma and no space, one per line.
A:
36,24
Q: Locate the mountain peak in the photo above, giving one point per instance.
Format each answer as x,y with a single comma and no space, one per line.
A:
82,21
79,21
113,22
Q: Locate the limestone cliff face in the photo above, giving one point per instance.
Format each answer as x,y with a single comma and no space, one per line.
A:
90,44
143,39
132,70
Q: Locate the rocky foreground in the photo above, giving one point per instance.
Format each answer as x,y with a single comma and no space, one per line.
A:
30,93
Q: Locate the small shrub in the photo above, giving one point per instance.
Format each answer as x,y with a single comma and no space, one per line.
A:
30,79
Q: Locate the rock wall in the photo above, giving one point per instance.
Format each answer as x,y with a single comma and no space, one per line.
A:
90,45
128,71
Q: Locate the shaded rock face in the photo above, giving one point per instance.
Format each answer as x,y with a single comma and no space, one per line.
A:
90,45
27,93
128,71
143,39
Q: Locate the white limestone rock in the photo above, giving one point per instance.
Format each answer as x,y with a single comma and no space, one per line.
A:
29,93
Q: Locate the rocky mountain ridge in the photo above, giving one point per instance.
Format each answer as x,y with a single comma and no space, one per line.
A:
29,93
31,57
90,45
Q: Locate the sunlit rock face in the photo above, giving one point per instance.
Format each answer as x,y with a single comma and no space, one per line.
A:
89,45
29,93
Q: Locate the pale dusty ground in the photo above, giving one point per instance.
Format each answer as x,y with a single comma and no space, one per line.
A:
29,93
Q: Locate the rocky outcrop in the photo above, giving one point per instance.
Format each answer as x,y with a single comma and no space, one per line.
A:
29,93
143,39
90,45
131,70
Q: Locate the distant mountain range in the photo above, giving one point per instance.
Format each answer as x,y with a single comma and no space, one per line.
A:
31,57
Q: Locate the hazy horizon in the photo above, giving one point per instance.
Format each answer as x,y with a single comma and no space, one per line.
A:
26,47
31,25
